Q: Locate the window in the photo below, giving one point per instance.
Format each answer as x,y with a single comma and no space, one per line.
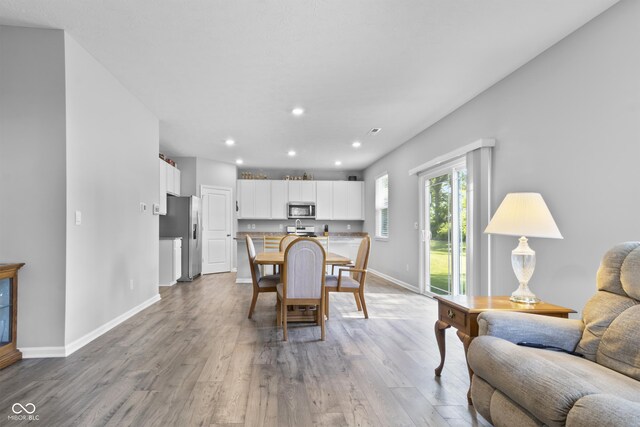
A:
382,206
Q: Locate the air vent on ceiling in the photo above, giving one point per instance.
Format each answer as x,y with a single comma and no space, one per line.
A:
375,131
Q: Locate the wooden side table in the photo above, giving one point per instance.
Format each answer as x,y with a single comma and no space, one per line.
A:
9,353
461,312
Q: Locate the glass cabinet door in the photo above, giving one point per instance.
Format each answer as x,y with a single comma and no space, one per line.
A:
5,312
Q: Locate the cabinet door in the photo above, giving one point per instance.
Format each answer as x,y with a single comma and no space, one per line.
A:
355,195
246,198
279,198
324,202
171,184
308,191
295,191
263,199
339,200
162,188
176,181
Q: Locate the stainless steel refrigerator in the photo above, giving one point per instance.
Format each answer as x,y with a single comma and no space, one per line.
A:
183,220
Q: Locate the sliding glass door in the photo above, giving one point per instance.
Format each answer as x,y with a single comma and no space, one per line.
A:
445,230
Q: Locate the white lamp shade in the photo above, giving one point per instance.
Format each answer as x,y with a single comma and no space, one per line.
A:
523,214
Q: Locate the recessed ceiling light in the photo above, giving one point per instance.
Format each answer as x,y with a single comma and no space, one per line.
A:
298,111
239,161
291,153
338,163
230,142
356,144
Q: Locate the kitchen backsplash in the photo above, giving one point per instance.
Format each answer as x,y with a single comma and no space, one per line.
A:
274,225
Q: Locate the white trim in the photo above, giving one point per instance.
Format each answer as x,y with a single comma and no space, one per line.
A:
481,143
234,270
86,339
40,352
242,281
394,280
168,284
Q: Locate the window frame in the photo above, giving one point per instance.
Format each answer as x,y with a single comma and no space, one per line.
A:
377,224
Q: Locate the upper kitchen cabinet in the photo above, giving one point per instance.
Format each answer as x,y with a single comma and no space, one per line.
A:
254,199
302,191
172,180
279,198
324,200
162,190
355,199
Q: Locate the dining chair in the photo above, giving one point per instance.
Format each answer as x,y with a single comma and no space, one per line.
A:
303,275
271,244
286,241
260,283
354,282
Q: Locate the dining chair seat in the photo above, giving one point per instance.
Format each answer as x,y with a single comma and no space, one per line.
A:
269,281
347,282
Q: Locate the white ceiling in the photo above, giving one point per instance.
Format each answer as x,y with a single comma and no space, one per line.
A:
214,69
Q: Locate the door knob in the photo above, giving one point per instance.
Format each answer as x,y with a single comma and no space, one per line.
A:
228,235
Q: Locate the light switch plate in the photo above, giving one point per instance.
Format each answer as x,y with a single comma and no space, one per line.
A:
78,218
156,209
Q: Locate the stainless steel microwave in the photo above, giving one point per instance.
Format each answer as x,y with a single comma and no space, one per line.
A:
301,210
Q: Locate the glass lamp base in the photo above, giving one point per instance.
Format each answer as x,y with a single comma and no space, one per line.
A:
523,261
524,295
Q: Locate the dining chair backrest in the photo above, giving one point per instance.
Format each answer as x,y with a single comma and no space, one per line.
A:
362,259
286,241
304,269
271,243
255,270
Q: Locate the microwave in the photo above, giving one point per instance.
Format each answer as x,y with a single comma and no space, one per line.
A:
301,210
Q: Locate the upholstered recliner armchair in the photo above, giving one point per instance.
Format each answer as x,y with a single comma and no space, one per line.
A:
522,386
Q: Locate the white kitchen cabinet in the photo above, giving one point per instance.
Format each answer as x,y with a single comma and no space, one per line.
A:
172,179
345,246
324,201
162,190
339,200
176,181
302,191
355,200
170,261
246,198
279,198
262,199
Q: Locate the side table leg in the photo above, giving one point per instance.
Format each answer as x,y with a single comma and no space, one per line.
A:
439,328
466,340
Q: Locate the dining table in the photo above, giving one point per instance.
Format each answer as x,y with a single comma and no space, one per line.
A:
299,313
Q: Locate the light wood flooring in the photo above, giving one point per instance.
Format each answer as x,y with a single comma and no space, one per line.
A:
195,359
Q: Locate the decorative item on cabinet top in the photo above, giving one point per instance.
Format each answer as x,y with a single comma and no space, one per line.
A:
166,159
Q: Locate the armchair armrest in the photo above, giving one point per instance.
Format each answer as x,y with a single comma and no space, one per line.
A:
518,327
350,270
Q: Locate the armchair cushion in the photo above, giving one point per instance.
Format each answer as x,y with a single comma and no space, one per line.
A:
517,327
545,383
347,282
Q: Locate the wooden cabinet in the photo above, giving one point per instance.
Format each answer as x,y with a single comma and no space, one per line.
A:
9,353
324,201
302,191
279,198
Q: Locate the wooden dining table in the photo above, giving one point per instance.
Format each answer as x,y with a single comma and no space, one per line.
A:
299,313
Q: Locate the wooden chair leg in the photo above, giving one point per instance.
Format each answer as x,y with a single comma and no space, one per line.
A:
284,322
364,304
355,295
322,325
278,311
253,303
326,303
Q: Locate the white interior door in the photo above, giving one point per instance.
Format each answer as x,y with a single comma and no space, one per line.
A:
216,229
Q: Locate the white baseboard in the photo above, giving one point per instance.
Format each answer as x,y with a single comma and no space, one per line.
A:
39,352
168,284
244,281
394,280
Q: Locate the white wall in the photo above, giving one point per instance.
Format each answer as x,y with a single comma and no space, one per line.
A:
567,125
32,178
112,166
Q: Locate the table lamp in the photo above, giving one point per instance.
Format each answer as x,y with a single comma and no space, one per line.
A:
523,214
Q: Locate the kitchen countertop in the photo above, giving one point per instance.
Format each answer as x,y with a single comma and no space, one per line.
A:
260,234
